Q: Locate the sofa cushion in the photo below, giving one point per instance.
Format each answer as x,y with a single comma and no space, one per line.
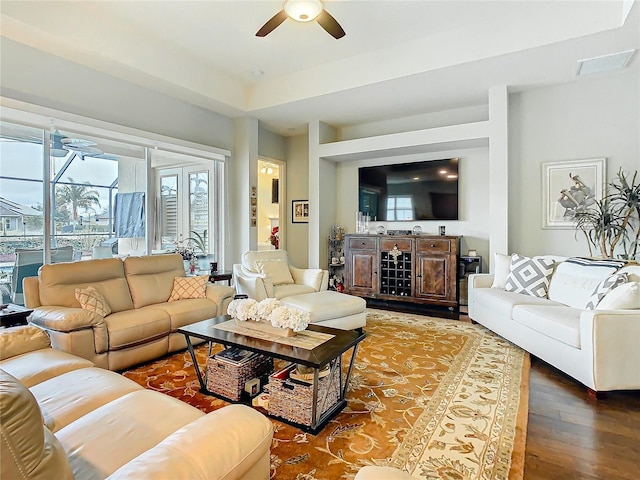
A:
575,279
188,311
133,327
92,300
41,365
286,290
502,302
129,426
151,278
604,287
84,390
249,258
277,271
326,305
28,449
529,276
558,322
624,297
58,283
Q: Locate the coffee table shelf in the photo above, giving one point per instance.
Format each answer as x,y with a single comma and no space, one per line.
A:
328,353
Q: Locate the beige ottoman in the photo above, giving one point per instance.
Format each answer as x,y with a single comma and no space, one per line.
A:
331,309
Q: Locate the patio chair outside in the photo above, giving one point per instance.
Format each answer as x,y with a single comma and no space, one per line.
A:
27,263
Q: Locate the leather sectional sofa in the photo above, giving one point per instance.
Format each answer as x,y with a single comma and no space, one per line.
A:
62,418
142,324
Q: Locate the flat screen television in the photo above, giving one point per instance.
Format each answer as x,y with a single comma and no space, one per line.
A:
425,190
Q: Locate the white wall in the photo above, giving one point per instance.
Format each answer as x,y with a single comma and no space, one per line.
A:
35,77
595,117
271,145
473,199
297,189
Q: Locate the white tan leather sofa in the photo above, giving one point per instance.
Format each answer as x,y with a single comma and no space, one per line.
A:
62,418
143,323
598,347
268,274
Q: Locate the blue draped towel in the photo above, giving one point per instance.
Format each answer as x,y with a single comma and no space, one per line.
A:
129,215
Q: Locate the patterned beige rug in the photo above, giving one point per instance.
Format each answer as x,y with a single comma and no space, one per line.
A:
441,399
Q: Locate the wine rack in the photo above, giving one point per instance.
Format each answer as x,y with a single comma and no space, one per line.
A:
395,274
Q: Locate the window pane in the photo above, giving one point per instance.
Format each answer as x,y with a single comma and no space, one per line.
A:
199,206
21,215
169,213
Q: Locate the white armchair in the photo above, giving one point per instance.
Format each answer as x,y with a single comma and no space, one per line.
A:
268,274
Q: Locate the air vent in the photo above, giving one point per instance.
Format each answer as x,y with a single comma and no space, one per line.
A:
605,63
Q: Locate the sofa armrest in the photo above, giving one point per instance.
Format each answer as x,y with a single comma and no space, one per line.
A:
255,285
221,295
480,280
65,319
31,291
614,337
231,442
311,277
18,340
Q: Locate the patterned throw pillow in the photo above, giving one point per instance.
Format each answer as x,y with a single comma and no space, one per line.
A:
92,300
529,275
189,287
604,287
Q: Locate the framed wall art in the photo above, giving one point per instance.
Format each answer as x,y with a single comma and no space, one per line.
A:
570,187
300,211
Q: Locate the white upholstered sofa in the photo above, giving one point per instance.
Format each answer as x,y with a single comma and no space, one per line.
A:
599,347
62,418
268,274
143,322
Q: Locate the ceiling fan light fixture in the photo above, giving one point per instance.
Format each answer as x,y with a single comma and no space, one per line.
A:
303,10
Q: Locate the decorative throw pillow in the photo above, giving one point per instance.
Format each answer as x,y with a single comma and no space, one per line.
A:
604,287
189,287
501,267
92,300
529,275
277,271
623,297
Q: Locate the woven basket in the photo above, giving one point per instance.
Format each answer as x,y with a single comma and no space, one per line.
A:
291,399
227,380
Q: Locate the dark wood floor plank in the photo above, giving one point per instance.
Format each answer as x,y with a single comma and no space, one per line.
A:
573,436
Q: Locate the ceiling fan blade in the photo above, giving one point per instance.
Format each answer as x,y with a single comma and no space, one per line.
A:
330,24
273,23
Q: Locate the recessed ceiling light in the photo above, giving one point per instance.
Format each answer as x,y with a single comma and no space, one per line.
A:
416,178
604,63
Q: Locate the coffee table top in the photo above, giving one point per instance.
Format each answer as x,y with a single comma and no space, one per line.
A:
317,357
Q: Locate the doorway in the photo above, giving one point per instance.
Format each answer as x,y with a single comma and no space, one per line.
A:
270,214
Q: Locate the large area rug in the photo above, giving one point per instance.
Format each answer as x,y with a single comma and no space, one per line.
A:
441,399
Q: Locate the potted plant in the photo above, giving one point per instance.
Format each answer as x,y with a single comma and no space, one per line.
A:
199,241
614,222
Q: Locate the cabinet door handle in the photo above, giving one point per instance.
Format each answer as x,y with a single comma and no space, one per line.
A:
433,246
361,243
418,276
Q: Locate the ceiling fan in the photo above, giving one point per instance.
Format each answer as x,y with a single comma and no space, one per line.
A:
303,11
61,145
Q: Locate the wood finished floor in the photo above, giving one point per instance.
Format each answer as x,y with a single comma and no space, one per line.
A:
572,436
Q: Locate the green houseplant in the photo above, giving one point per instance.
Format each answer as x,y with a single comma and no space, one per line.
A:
614,222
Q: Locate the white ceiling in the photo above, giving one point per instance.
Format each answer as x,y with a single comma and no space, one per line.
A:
399,58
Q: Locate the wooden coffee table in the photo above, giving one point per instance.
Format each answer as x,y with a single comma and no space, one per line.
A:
328,353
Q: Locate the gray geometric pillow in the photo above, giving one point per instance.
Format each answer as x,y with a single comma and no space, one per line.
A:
604,287
530,276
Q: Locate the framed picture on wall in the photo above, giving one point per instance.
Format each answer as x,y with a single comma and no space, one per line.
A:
570,187
300,211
